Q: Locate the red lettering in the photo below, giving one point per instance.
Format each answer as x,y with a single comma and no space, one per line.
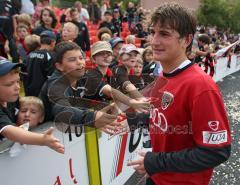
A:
71,172
58,181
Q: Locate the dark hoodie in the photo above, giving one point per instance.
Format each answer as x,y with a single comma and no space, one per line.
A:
55,95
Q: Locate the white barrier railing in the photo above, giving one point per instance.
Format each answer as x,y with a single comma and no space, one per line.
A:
222,70
42,166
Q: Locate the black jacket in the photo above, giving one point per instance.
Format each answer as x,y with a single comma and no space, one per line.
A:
56,93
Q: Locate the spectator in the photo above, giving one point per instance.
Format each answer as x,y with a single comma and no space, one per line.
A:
94,12
69,32
105,37
116,44
84,16
32,42
116,21
8,11
38,9
25,19
105,7
67,82
22,32
31,110
128,55
83,37
130,39
48,21
107,22
39,64
99,79
102,31
9,92
131,11
148,63
27,7
204,51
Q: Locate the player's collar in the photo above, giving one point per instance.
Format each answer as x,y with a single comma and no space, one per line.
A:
184,65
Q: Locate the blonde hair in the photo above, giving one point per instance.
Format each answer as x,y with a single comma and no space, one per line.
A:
21,25
71,25
32,42
106,37
24,19
130,39
33,100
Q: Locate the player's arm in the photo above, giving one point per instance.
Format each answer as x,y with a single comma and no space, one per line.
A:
210,132
186,161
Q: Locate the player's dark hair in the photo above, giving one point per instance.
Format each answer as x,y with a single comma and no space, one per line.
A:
175,17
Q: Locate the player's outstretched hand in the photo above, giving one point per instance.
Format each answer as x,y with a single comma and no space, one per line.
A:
138,164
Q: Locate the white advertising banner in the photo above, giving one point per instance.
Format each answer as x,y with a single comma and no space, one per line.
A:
40,165
224,67
115,153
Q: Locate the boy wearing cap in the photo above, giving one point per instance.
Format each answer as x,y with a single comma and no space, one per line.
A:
128,56
98,79
9,92
39,64
116,44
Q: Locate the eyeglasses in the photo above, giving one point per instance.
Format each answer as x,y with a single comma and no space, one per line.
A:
104,53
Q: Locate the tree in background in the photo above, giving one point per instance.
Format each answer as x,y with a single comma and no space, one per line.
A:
221,13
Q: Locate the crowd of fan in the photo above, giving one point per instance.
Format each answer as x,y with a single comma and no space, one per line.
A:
112,44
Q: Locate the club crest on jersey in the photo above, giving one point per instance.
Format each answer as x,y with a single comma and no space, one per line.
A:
213,125
167,99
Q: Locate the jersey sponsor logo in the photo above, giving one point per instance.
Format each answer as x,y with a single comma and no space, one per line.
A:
167,99
215,137
213,125
158,119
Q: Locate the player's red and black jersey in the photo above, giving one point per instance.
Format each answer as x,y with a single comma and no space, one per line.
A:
189,128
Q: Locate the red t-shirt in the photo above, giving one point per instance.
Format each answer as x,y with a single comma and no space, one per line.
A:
187,111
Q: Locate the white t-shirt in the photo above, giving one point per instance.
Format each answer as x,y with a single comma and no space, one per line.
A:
27,7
